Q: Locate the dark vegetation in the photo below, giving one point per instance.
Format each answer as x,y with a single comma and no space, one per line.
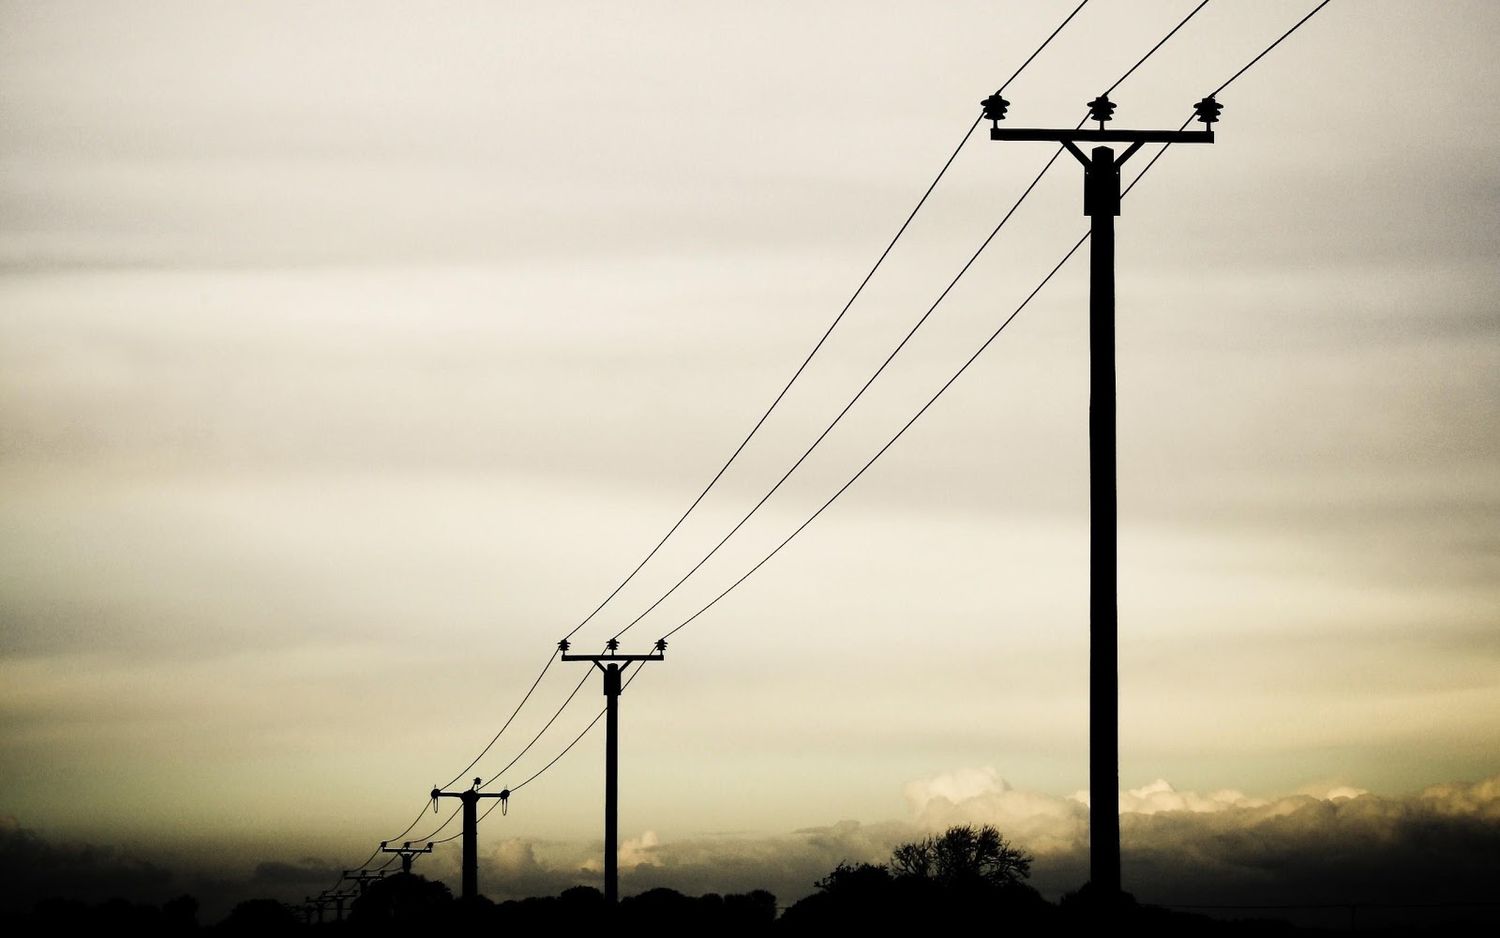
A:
960,878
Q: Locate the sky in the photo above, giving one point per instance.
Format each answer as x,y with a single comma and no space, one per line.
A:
351,354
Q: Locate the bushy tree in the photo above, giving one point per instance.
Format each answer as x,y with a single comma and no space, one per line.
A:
961,857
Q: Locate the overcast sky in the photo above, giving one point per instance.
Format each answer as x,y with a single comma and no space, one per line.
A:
351,353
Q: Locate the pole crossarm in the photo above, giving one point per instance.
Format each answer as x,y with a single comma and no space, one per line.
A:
1104,136
407,853
607,658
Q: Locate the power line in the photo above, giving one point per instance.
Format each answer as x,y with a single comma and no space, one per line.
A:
899,346
891,442
545,727
1267,49
1071,251
802,367
826,333
509,720
1068,255
753,430
1161,42
828,429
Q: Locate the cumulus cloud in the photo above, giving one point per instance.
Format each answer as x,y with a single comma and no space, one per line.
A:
1334,844
1339,845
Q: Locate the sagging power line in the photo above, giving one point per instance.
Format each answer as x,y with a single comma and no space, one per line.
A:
932,400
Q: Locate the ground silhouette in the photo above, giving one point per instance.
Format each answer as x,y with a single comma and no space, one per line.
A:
947,881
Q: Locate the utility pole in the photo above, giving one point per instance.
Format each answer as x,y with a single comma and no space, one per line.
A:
331,897
613,665
313,904
1101,202
339,898
407,853
363,878
470,800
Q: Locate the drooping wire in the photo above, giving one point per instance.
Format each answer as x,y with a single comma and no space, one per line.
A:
753,430
1267,49
1071,251
881,452
802,367
465,771
569,699
1161,42
440,828
628,681
822,339
899,346
566,749
775,402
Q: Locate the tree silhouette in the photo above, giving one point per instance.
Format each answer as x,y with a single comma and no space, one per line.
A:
963,857
960,876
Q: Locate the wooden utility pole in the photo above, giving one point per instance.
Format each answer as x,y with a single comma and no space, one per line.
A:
1101,203
613,665
470,801
407,853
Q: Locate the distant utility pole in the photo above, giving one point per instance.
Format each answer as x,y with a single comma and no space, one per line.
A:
613,665
316,904
363,878
336,898
407,853
470,800
1101,202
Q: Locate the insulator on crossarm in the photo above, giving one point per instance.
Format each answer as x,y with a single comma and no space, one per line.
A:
1101,109
994,108
563,646
504,801
1208,110
661,644
612,646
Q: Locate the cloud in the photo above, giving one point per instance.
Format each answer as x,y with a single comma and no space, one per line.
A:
33,868
1341,846
306,871
1334,844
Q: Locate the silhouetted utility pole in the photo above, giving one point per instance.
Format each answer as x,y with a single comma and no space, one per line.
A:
613,665
331,897
407,853
363,878
311,905
470,800
1101,202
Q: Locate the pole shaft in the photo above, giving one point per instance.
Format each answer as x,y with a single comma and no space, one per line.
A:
471,846
1102,181
612,785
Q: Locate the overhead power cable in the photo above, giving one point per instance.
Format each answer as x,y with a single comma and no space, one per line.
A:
754,429
758,424
823,338
912,420
1070,252
899,346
